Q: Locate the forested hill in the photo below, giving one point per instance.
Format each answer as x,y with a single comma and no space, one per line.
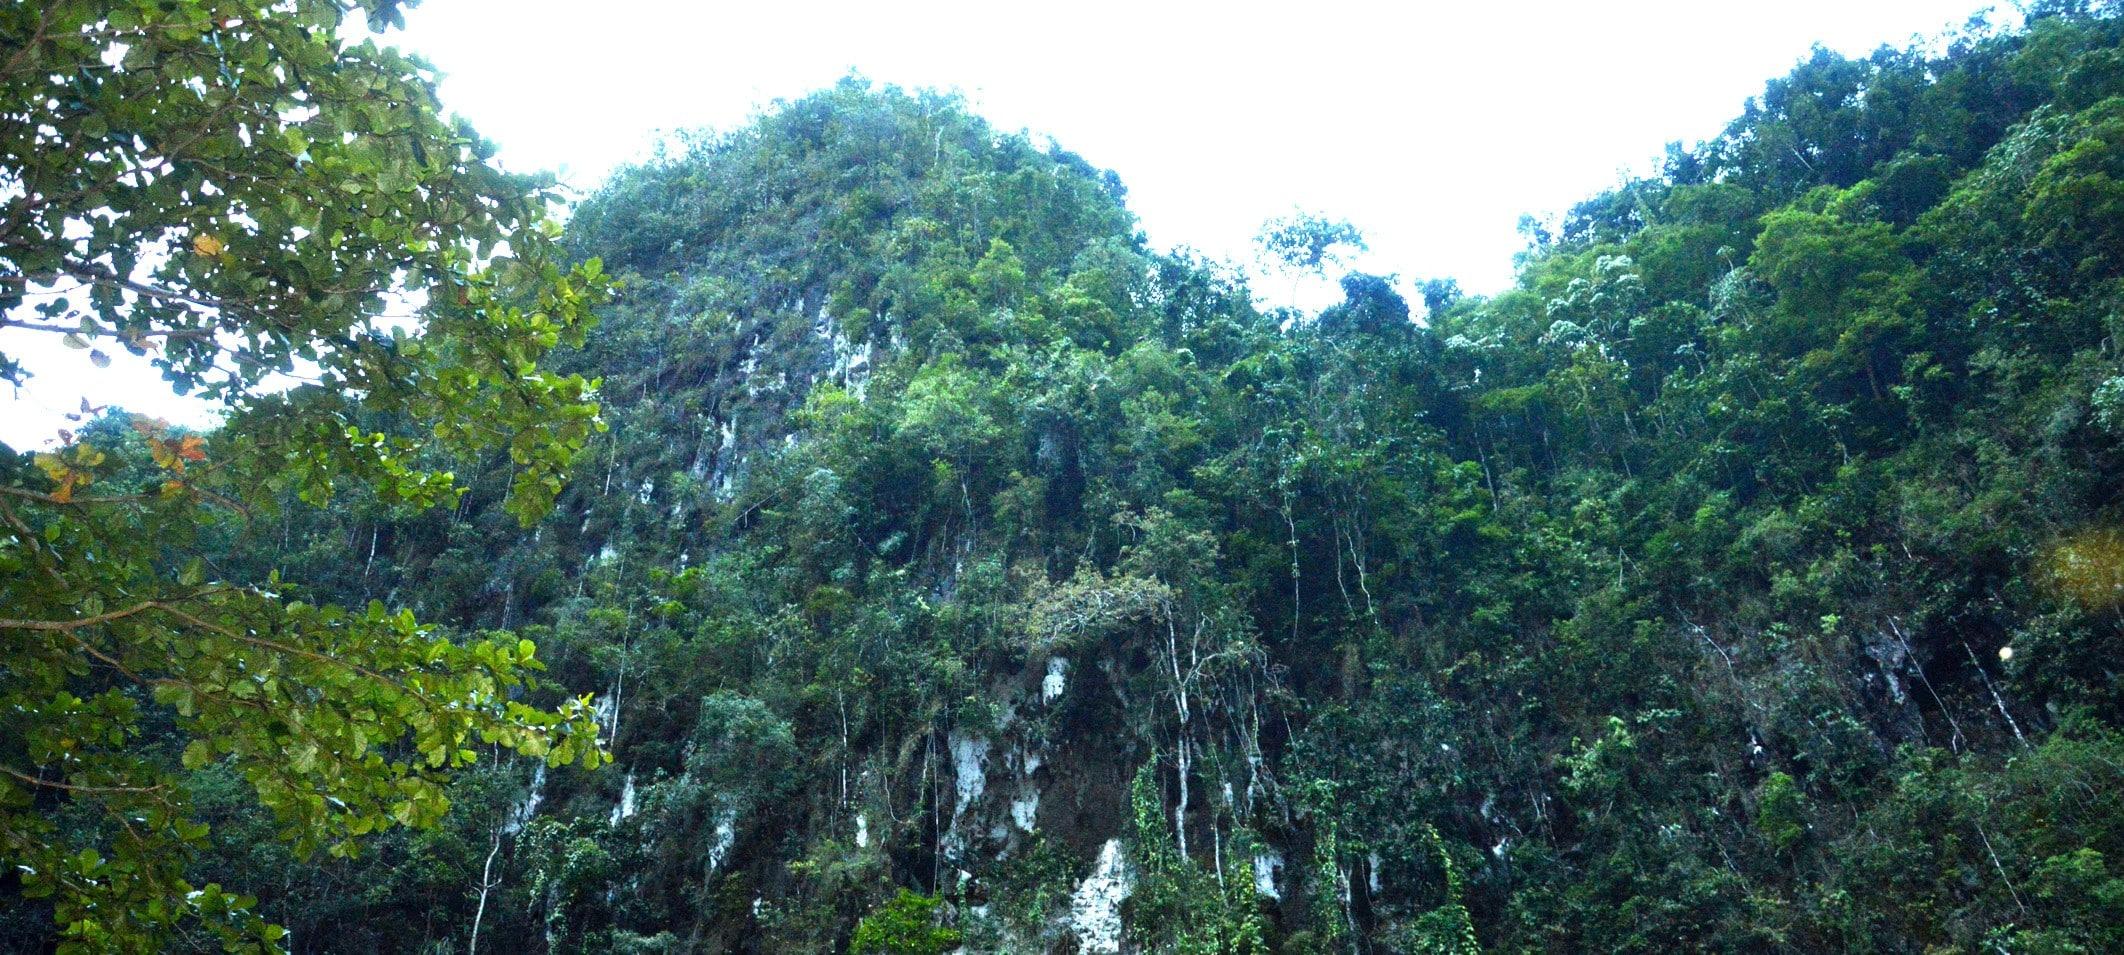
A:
960,570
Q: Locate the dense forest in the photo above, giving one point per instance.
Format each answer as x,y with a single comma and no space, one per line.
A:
956,571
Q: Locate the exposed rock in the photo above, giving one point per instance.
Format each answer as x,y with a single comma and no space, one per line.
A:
1095,908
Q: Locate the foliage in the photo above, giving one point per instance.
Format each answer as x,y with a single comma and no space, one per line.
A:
1308,242
1740,579
1177,904
232,192
1780,811
906,925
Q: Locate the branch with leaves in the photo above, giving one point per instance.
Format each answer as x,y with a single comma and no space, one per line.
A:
235,193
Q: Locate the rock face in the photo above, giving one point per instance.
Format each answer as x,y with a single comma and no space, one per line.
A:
1095,908
714,377
948,539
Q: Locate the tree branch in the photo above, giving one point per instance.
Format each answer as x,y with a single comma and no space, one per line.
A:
75,787
69,625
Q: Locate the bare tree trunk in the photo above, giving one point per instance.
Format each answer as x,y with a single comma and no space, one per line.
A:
1996,699
486,885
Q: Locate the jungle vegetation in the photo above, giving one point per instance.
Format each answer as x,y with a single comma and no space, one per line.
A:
911,557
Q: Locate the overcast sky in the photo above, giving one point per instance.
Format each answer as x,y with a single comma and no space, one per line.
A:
1432,127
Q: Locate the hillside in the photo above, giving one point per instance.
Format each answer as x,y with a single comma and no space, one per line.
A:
957,569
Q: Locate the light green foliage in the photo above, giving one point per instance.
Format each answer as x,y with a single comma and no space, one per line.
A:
1308,242
265,216
1780,811
231,192
905,925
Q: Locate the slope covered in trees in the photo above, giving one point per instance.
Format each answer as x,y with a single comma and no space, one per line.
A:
957,569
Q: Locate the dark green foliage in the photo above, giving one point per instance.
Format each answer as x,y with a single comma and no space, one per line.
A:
1745,578
1177,903
1370,306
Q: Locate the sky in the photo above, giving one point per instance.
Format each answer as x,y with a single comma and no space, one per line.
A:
1431,127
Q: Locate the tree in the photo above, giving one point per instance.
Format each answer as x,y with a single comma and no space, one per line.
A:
1305,245
1369,306
231,190
1308,243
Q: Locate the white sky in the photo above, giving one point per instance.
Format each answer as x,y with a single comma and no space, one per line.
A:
1432,127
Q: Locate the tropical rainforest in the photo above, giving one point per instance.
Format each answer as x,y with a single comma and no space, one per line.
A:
846,532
